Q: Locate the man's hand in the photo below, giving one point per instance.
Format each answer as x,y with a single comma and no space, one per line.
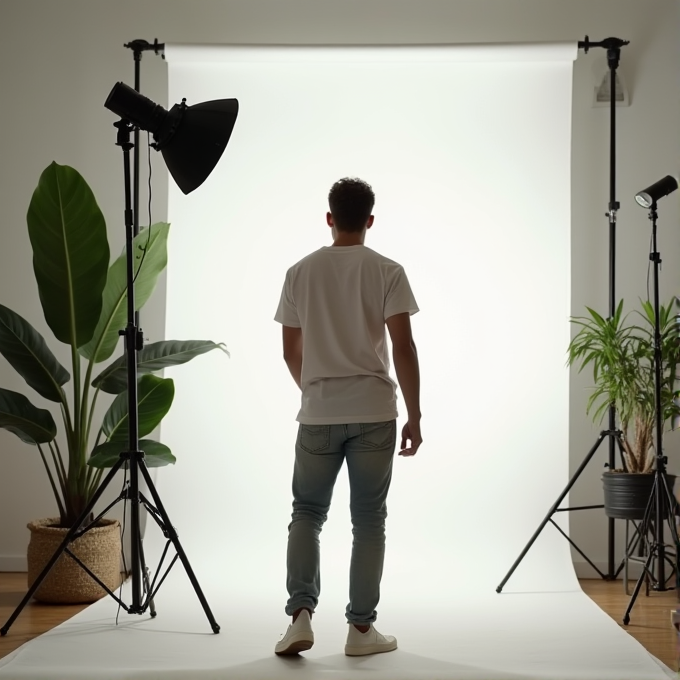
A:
410,432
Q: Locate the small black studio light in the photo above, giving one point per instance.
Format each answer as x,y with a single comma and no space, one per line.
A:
649,196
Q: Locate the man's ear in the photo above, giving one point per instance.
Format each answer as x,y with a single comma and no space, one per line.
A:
329,219
369,224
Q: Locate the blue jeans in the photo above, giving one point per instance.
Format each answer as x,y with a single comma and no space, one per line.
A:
319,453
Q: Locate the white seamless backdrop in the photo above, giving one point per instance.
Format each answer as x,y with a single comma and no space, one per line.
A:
468,150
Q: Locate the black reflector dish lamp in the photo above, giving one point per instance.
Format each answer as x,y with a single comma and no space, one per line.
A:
190,138
651,195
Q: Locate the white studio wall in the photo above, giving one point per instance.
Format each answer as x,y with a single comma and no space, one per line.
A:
468,150
76,54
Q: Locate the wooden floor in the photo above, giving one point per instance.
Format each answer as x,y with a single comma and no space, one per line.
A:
34,620
650,618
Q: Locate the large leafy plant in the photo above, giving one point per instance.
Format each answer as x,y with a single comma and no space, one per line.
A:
84,300
621,355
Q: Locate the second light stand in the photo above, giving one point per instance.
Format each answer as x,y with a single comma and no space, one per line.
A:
611,434
661,504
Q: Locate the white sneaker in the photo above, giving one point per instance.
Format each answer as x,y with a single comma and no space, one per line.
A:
299,636
370,642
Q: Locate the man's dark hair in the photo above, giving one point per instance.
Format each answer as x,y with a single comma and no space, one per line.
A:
351,202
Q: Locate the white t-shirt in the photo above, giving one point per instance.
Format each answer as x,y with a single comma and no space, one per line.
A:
341,296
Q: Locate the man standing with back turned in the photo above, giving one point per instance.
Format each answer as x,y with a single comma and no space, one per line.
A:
334,307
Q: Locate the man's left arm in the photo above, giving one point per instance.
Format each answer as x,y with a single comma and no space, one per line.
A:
292,352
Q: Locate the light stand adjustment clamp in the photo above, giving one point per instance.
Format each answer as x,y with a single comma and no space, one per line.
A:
612,45
134,336
129,455
139,46
614,207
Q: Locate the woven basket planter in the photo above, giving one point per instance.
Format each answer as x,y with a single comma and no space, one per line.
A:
67,582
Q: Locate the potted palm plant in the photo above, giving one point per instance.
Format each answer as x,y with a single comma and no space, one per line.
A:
620,352
83,297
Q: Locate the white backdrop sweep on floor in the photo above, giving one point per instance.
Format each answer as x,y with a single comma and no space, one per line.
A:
465,636
468,151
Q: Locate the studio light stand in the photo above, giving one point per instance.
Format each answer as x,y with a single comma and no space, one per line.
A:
612,434
661,505
191,140
138,47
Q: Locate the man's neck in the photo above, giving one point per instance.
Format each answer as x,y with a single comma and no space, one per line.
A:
349,240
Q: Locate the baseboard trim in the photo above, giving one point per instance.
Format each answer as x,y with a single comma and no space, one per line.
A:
584,570
13,563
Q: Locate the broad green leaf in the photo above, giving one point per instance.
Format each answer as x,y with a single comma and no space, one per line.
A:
70,253
31,424
155,454
152,358
154,398
25,349
150,258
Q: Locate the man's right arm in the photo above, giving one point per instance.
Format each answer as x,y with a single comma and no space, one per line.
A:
405,359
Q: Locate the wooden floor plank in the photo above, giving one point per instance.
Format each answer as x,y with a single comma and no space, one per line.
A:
650,618
34,620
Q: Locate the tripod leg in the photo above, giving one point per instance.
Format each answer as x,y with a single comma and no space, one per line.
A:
632,544
667,507
62,547
552,510
672,508
656,549
145,576
625,558
172,536
643,576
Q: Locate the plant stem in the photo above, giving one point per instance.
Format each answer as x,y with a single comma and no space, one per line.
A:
80,447
68,426
96,480
68,423
71,483
84,424
75,362
54,486
86,420
90,470
92,408
58,464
